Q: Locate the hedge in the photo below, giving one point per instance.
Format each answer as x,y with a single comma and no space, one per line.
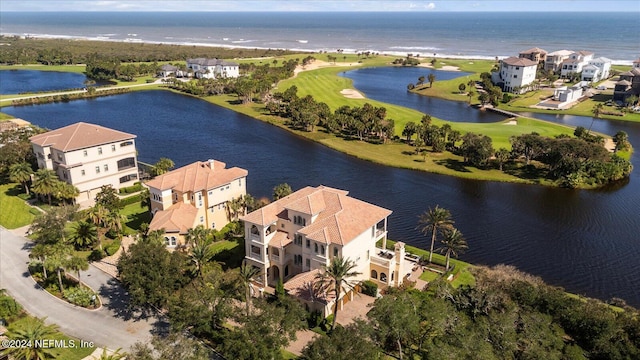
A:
131,189
130,200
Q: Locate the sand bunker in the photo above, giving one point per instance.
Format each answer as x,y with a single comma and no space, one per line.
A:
511,122
316,64
351,94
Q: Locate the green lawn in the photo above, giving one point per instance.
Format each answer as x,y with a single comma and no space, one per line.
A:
136,215
62,68
15,212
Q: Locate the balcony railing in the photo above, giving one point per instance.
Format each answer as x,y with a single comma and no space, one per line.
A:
375,259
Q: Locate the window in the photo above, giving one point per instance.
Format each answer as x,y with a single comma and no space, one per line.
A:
297,259
254,230
127,178
393,274
126,143
106,167
286,271
315,248
213,225
308,263
126,163
97,169
322,250
227,187
99,151
64,174
308,244
201,219
374,274
82,172
335,251
239,182
255,250
113,148
383,277
517,68
84,152
515,76
170,241
210,192
59,157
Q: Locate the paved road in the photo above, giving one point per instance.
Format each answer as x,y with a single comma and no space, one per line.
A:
112,326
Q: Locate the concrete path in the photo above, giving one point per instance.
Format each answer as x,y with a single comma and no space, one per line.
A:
113,325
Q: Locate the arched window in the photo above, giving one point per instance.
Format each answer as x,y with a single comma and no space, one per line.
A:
383,277
254,230
166,240
374,274
315,248
322,249
335,251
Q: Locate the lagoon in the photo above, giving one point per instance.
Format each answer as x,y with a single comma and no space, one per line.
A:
585,241
22,81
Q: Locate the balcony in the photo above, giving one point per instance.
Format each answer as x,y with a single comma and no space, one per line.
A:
385,259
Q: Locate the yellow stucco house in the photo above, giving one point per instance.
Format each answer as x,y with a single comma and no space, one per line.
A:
195,194
293,238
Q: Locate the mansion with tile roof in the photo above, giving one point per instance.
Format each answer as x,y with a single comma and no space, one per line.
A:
195,194
88,156
515,74
293,238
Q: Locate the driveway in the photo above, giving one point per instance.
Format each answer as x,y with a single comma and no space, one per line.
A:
113,325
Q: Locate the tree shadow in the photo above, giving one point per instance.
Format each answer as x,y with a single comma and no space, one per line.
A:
117,300
523,171
137,219
234,102
405,152
455,165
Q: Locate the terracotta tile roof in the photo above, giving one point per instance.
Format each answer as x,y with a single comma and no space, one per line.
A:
514,61
179,217
339,221
303,286
280,239
197,176
637,61
561,53
584,52
79,136
534,50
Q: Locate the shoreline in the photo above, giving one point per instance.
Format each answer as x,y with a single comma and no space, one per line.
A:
293,49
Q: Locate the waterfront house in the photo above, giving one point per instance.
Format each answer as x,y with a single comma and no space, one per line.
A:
292,239
167,70
88,156
564,96
213,68
195,194
534,54
575,63
515,74
597,69
554,60
628,83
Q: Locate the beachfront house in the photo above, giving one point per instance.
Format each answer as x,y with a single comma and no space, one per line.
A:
213,68
575,63
88,156
534,54
554,60
292,239
515,74
597,69
195,194
628,84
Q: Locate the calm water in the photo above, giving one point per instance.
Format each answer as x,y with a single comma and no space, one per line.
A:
458,34
20,81
586,241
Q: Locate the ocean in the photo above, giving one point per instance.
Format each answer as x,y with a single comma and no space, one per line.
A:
455,34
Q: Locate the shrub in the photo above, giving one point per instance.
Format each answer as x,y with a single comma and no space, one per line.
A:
34,211
9,308
96,255
78,295
130,200
131,189
314,319
369,288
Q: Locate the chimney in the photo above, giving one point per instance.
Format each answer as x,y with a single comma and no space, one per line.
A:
211,164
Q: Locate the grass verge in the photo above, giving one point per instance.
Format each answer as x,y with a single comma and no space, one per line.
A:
15,212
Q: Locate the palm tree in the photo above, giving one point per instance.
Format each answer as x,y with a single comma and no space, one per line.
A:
197,236
247,275
281,191
65,191
452,243
116,355
45,183
84,234
56,260
32,332
336,277
77,263
431,221
163,165
432,79
40,252
21,172
471,94
200,255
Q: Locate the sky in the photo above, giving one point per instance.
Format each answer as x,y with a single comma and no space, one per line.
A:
320,5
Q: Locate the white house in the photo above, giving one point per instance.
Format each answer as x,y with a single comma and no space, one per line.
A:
88,156
575,63
213,68
603,66
293,238
567,94
515,74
